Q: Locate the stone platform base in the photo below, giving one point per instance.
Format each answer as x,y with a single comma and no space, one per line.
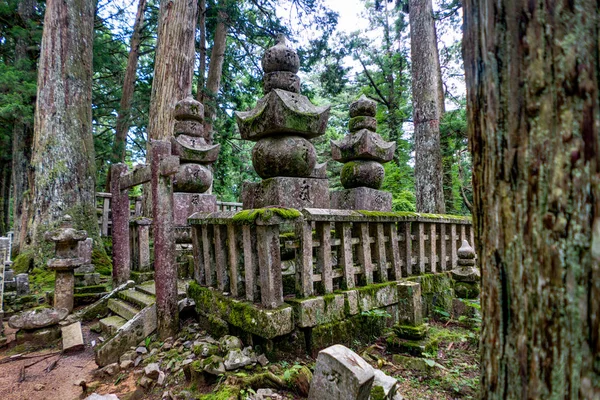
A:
186,204
361,198
286,192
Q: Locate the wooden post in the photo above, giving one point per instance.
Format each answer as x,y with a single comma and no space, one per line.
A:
323,230
120,226
305,270
344,232
380,252
197,253
165,267
442,242
106,211
250,261
453,247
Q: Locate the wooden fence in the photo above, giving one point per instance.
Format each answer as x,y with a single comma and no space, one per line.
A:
331,249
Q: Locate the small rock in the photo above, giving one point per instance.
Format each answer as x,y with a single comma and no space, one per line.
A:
167,346
187,344
145,382
262,360
128,356
229,342
153,352
111,369
152,371
166,395
186,362
96,396
161,378
236,359
141,350
386,382
39,387
248,352
126,364
101,339
137,361
206,350
213,365
267,394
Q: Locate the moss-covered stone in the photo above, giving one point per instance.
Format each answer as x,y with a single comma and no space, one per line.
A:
466,290
377,295
23,263
437,291
411,332
377,393
265,214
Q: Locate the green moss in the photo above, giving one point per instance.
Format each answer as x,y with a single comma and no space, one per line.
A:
410,332
265,214
376,214
408,214
377,393
23,262
41,279
224,393
101,261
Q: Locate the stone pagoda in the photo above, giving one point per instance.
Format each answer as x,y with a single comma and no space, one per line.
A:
362,151
196,154
282,124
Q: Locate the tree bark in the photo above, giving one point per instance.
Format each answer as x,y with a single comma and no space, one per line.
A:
533,113
22,134
428,160
123,119
63,177
215,70
173,64
201,50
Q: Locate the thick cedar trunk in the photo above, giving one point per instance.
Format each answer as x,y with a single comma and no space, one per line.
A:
173,64
440,82
428,160
62,159
215,70
22,135
201,50
4,196
123,119
532,90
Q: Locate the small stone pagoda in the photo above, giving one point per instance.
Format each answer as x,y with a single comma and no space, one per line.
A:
362,151
282,124
196,154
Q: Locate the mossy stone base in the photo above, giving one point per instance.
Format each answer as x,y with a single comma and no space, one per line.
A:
466,290
411,332
412,347
437,291
318,310
39,337
377,295
139,277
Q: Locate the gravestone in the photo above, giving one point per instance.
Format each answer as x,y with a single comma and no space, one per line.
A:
22,281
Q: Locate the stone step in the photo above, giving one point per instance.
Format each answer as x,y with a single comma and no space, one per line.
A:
111,324
90,289
122,308
150,289
136,297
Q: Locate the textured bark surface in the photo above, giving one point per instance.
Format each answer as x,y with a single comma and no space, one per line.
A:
428,160
63,169
173,64
201,50
22,137
532,89
123,119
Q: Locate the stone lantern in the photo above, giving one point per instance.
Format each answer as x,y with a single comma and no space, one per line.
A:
67,259
282,124
362,152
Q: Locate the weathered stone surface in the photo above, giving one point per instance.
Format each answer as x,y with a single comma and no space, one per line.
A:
388,385
361,198
362,173
111,369
189,128
364,145
22,281
213,365
411,332
466,274
189,108
85,251
377,296
192,178
318,310
286,192
280,58
351,300
319,171
283,80
466,290
229,342
72,337
186,204
206,349
341,374
236,359
362,122
465,251
284,156
152,371
95,396
363,106
41,337
194,149
410,308
283,113
36,319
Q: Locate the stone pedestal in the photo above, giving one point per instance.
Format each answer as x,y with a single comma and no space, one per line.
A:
361,198
286,192
186,204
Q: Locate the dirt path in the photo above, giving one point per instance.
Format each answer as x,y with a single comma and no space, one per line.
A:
41,385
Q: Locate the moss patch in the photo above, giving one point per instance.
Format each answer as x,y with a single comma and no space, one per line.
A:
265,214
23,262
101,261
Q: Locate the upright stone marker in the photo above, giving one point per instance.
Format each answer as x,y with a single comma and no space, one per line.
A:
341,374
363,151
282,123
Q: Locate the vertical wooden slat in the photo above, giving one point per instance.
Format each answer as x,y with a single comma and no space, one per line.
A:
249,263
380,253
364,251
420,248
105,211
323,230
344,232
269,263
232,253
407,249
197,254
220,261
206,251
453,248
432,248
393,252
442,242
305,270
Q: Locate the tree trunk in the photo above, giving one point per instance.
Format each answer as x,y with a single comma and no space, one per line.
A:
22,134
428,160
533,112
201,50
215,70
173,64
4,196
440,82
123,119
64,172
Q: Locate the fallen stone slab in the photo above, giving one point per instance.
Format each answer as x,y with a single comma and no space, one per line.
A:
72,337
341,374
36,319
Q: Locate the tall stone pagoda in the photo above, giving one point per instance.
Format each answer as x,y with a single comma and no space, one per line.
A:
282,124
362,151
196,153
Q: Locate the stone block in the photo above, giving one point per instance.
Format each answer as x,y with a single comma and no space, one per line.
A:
363,145
361,198
377,295
351,299
341,374
85,250
87,279
410,308
22,281
38,337
186,204
72,337
286,192
318,310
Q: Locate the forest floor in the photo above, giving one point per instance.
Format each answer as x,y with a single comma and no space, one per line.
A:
450,372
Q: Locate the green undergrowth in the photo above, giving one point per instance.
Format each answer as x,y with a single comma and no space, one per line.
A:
265,214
